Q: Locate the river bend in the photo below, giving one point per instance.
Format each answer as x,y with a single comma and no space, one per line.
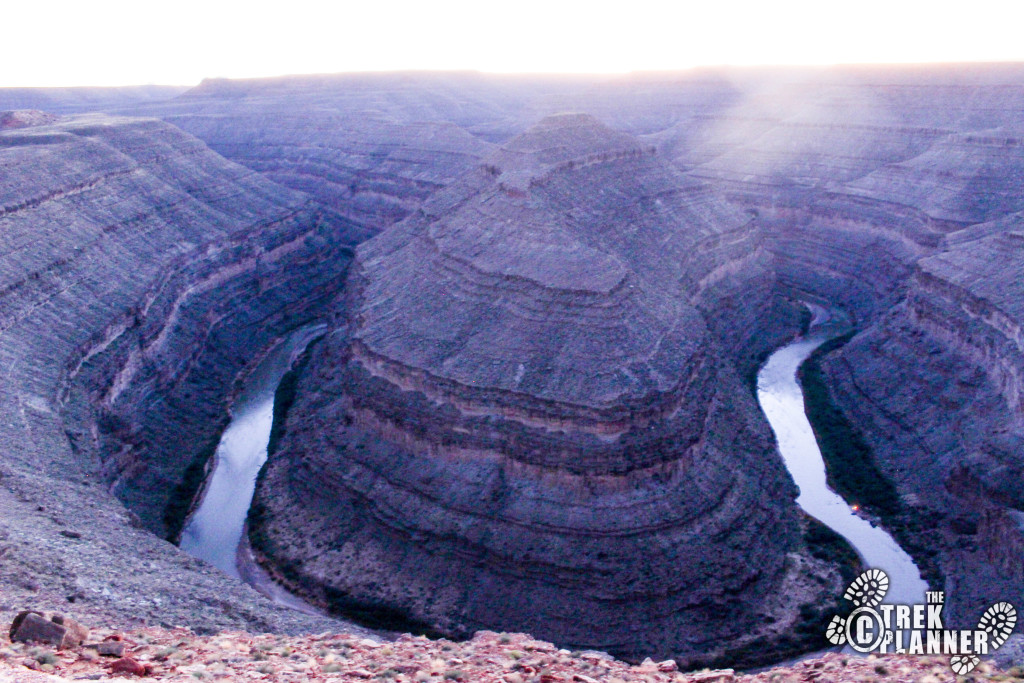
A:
215,531
782,401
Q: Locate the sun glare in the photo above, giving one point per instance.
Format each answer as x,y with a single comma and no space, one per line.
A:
116,42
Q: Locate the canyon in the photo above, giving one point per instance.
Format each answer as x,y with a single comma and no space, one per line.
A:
546,301
523,422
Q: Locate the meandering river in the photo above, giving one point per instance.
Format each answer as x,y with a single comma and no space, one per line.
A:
782,401
215,531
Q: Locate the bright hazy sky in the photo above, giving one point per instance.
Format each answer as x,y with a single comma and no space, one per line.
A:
118,42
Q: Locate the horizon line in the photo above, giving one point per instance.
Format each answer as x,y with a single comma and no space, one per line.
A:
537,74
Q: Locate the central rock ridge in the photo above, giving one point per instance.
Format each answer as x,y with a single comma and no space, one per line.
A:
524,423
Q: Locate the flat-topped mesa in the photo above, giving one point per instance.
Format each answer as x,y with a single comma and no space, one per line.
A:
525,423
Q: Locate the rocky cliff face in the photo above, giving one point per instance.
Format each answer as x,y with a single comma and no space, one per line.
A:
534,388
936,386
861,189
895,195
140,273
526,423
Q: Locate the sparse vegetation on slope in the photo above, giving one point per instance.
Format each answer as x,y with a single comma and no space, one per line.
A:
852,471
850,467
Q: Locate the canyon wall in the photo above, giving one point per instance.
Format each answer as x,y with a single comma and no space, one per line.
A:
935,386
526,424
369,146
140,274
85,99
855,185
895,195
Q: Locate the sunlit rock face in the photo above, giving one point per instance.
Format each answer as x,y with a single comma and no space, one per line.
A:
525,425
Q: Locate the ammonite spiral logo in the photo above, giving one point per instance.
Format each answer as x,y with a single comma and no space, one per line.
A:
915,629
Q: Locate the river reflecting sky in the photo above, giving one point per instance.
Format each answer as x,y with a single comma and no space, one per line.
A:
783,404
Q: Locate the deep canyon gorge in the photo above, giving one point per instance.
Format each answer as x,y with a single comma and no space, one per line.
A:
545,303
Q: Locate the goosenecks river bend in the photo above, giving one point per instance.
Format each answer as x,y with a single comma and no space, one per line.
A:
782,400
216,530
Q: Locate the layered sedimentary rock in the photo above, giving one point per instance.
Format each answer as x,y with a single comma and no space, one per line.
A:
858,173
373,172
936,386
144,272
894,196
371,147
526,424
140,274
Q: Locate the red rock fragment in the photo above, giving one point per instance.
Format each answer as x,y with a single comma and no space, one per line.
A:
127,665
76,633
60,631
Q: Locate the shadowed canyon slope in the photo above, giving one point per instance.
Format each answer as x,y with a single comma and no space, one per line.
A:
533,408
140,271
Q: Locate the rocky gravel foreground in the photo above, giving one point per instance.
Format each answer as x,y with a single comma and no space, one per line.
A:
177,654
